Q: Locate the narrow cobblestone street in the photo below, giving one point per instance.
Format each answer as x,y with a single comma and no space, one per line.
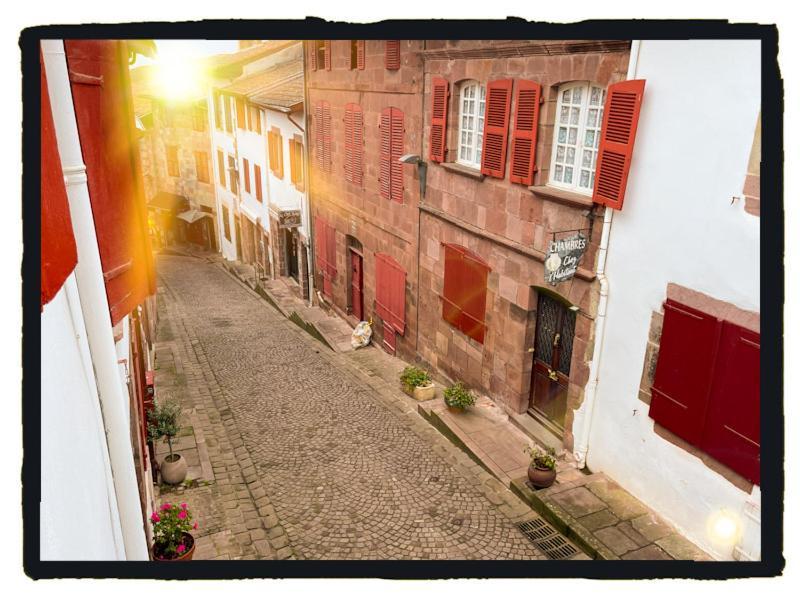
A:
309,461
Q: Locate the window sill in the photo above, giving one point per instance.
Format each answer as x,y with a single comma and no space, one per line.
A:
463,170
560,196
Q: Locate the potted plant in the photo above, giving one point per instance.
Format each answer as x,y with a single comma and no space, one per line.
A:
458,398
164,422
171,538
542,470
417,383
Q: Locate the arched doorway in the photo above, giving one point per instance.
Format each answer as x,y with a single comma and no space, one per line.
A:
552,356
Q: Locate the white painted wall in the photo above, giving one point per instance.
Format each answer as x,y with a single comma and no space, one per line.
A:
79,515
283,194
253,147
222,140
701,103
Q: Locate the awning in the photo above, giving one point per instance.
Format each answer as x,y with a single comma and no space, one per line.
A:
168,201
190,216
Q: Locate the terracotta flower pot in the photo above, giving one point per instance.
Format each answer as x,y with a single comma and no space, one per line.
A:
422,393
174,471
188,541
541,478
456,409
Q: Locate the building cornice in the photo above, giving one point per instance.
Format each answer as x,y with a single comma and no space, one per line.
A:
538,48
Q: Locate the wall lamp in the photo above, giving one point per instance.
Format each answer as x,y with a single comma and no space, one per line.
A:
422,166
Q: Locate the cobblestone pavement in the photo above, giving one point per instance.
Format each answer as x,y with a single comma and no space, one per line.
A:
310,459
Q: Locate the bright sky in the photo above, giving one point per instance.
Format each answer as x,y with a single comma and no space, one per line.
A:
190,48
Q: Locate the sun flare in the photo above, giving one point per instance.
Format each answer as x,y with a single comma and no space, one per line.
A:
179,77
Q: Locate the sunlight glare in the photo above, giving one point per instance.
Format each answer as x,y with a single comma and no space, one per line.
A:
178,77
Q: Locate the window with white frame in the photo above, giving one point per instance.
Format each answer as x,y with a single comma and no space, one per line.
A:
472,104
576,136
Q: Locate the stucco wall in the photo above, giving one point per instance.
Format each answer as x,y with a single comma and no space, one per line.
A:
700,109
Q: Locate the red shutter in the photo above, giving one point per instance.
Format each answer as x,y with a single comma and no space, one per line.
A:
328,54
682,382
330,251
732,428
59,254
318,133
246,169
523,137
360,50
257,175
353,143
390,292
326,136
392,57
313,57
439,95
221,167
396,152
620,118
495,128
464,292
348,142
319,242
385,175
104,113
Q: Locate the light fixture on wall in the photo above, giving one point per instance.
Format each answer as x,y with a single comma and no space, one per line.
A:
422,166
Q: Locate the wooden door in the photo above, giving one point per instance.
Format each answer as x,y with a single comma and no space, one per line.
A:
555,330
291,254
356,284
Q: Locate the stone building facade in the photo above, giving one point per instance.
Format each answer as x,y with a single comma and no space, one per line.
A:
360,93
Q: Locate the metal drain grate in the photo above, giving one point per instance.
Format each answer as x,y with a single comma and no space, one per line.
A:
547,539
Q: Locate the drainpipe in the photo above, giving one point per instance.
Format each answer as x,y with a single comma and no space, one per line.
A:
94,303
590,394
307,183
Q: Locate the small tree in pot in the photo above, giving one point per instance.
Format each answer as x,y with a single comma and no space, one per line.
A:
458,398
164,422
542,470
171,537
417,383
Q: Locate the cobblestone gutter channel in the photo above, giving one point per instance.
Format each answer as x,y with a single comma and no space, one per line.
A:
314,454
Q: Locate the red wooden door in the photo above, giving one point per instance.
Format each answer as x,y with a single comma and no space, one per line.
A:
356,285
555,329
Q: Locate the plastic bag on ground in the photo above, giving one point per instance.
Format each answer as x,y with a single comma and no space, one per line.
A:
362,334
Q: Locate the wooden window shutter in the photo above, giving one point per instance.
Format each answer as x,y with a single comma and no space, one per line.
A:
396,152
217,110
318,119
292,168
523,136
221,167
495,128
464,291
392,55
246,173
453,284
101,93
386,153
319,242
279,153
620,119
330,250
313,55
328,54
732,431
353,143
682,381
240,114
438,132
257,177
326,136
360,51
390,292
59,253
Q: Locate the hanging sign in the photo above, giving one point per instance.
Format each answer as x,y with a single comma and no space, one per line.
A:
562,258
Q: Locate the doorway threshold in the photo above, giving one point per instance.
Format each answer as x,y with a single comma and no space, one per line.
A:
536,431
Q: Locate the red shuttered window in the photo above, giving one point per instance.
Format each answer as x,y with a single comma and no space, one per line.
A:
327,51
325,250
495,128
390,292
257,177
392,57
360,54
464,293
275,150
706,386
246,174
353,143
98,71
312,55
322,116
620,120
296,163
438,133
391,171
59,253
241,114
201,166
523,136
